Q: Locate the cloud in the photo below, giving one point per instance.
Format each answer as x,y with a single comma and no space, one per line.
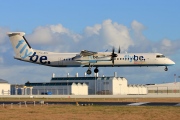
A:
1,60
96,38
99,37
4,40
168,46
52,34
54,37
138,29
3,34
4,48
143,44
105,35
41,35
116,35
33,73
137,35
90,31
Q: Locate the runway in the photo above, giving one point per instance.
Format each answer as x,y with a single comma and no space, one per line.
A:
94,103
94,96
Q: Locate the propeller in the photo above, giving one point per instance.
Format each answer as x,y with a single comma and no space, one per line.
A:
113,55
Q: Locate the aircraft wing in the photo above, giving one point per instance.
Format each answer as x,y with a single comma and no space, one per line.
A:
86,57
85,53
91,56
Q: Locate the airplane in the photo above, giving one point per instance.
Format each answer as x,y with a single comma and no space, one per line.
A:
24,52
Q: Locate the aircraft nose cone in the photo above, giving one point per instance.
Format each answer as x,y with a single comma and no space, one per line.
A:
173,62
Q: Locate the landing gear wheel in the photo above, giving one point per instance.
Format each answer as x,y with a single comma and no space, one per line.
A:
88,72
96,70
166,69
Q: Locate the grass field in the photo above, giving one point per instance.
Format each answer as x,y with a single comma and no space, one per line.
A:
73,112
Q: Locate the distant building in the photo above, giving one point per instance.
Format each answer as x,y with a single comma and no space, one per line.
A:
4,87
87,86
164,88
20,89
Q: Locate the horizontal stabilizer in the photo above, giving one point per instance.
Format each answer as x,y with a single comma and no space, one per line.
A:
16,33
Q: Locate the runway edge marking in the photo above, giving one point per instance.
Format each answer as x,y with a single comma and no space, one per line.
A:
177,104
137,104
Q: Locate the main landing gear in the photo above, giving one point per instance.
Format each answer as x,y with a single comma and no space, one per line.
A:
89,70
96,70
166,69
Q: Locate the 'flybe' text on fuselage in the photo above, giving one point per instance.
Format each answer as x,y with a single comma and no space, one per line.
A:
134,57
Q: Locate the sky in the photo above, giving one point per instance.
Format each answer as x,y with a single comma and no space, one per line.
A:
96,25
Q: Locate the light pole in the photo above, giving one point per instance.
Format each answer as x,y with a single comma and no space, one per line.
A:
120,88
67,88
51,90
175,78
99,85
44,87
105,86
95,85
179,84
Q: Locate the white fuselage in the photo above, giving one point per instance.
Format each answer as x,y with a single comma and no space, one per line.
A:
122,59
23,51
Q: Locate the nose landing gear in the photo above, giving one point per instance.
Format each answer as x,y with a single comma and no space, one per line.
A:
166,69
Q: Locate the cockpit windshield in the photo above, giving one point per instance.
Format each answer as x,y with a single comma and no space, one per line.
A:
160,56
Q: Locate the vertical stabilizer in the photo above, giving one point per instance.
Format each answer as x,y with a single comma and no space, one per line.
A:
20,45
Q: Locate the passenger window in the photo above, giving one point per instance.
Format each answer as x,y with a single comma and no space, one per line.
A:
157,56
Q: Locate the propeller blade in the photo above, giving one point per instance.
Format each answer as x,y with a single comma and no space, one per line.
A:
119,50
113,62
113,55
113,50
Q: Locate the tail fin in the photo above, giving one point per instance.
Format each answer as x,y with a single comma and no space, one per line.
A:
21,47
